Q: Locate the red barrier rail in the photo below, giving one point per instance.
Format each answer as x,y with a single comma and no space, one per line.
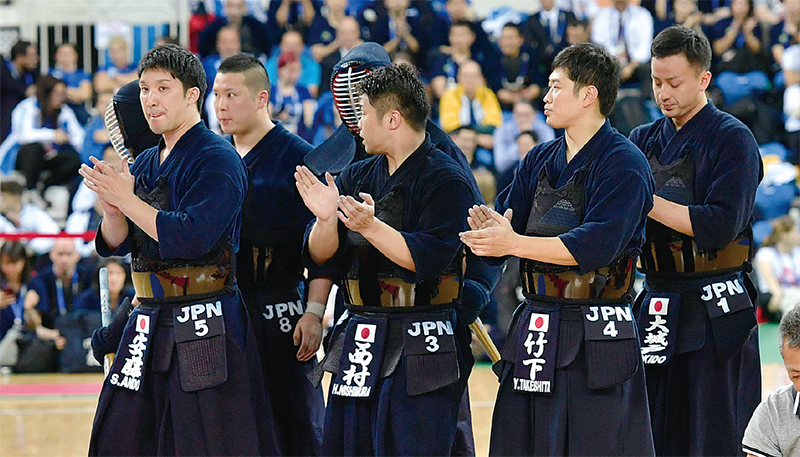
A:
85,236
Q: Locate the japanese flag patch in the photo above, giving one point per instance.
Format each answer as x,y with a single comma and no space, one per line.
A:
539,322
658,306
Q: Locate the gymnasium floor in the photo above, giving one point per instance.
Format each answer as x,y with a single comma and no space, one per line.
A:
51,414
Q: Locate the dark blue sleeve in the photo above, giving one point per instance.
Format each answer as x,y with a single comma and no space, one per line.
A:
38,284
213,199
102,248
719,30
775,33
618,201
733,177
442,216
479,280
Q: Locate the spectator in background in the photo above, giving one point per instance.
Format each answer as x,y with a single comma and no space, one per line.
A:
311,73
18,77
348,35
19,217
583,10
521,77
626,31
524,118
783,34
20,347
321,37
778,267
472,104
740,63
119,71
292,104
285,15
439,35
252,32
790,66
685,13
546,31
397,26
96,138
467,140
79,82
45,135
525,142
57,290
15,273
578,31
444,71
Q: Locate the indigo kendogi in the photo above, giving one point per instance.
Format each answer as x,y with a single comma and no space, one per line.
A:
269,267
345,147
185,380
399,355
696,316
571,378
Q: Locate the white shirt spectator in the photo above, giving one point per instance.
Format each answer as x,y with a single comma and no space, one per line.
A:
33,219
582,9
791,96
637,30
26,127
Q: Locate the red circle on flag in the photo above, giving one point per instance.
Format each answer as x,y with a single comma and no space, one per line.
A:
365,333
658,306
141,324
539,322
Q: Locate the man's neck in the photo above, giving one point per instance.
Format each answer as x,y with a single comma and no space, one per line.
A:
66,274
404,147
245,142
171,138
580,133
679,122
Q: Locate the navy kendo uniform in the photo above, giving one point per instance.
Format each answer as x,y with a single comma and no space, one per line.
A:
270,274
696,317
571,375
345,147
185,379
399,356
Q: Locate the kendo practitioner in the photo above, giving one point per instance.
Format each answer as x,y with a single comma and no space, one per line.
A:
571,377
186,377
345,147
390,225
269,266
696,316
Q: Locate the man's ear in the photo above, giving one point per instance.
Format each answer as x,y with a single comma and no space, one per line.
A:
194,95
590,95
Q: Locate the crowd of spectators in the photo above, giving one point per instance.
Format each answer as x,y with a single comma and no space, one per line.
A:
486,79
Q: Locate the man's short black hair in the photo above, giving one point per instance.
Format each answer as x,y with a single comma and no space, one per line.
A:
789,329
683,40
398,87
20,48
589,64
463,23
255,75
515,26
530,133
181,64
